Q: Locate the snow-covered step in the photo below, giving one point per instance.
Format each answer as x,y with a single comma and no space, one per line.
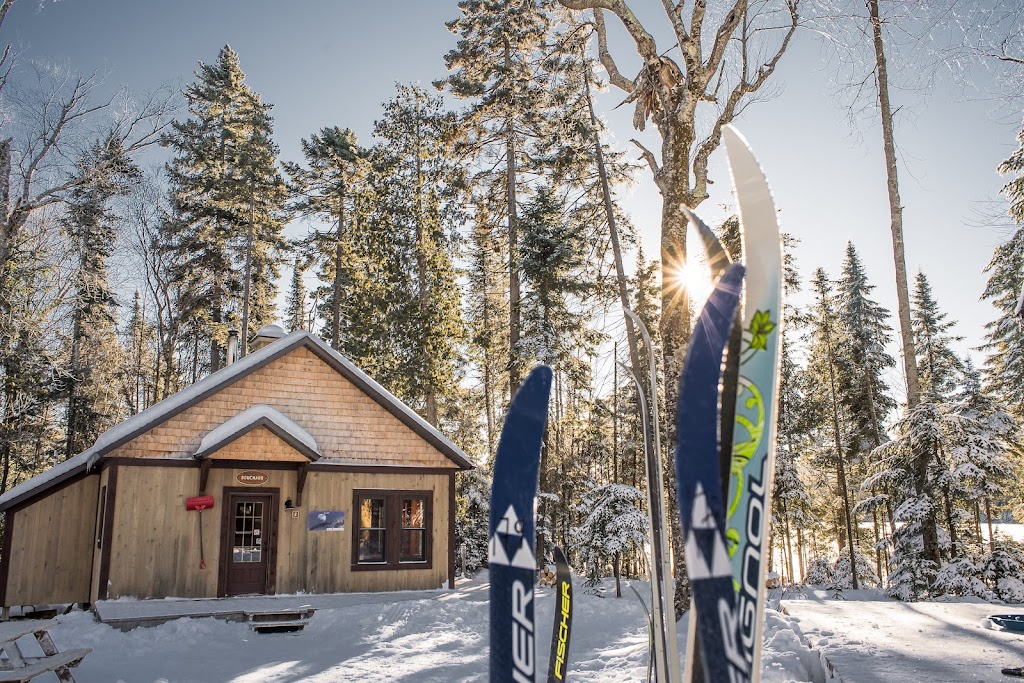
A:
278,621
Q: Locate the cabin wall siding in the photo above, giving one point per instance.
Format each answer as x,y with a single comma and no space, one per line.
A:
155,551
51,541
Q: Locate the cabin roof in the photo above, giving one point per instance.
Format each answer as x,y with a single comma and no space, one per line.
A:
172,405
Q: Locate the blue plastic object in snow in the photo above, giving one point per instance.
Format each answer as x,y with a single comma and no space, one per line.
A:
1010,622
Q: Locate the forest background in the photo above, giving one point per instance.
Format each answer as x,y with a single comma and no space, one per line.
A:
445,238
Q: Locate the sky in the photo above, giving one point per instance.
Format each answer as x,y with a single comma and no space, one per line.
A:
334,62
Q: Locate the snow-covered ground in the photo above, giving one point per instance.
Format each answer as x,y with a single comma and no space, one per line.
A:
873,639
442,636
391,637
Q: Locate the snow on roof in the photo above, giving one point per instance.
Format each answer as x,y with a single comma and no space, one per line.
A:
157,413
258,414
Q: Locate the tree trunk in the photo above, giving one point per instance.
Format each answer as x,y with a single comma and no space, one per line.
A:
248,274
949,521
514,366
988,518
339,257
895,210
429,391
73,381
840,461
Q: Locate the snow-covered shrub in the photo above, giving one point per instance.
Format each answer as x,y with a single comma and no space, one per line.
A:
842,577
1003,570
911,576
819,572
962,577
472,519
546,503
1010,589
612,524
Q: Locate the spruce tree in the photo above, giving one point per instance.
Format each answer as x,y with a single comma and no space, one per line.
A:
96,363
295,312
939,366
1004,337
228,202
827,357
865,332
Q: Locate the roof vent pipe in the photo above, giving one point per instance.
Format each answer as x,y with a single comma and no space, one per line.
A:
232,353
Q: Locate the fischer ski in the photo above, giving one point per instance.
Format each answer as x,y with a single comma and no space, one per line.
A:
698,477
510,556
753,443
561,632
718,260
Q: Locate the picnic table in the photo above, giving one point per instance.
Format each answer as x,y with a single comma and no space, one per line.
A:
18,668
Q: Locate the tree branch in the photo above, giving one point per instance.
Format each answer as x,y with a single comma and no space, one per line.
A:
725,31
704,150
645,44
674,16
651,161
614,75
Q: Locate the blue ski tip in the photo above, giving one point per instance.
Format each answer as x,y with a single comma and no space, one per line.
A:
537,385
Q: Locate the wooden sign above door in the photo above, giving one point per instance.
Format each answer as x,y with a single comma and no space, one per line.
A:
252,478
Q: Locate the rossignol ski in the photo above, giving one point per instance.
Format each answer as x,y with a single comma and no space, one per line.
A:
753,446
510,556
699,481
561,632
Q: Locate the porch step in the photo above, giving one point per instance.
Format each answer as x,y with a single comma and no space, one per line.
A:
279,621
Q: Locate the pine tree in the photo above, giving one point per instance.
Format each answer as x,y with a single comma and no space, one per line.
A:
31,391
228,202
420,189
497,65
331,189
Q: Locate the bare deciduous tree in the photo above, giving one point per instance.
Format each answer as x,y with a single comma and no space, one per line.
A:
55,114
689,99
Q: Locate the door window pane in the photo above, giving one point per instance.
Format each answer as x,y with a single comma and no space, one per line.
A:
247,546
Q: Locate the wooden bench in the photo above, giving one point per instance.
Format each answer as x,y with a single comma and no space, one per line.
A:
17,668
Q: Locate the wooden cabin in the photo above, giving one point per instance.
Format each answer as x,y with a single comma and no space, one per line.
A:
288,470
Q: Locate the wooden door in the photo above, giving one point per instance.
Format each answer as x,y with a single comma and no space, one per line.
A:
249,535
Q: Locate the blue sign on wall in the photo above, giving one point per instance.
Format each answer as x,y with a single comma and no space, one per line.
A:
325,520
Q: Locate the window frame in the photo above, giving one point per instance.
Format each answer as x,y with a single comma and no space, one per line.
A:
393,529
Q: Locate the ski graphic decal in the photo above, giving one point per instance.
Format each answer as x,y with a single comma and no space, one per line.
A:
700,487
561,632
753,451
512,534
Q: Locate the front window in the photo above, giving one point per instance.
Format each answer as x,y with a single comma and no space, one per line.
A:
392,529
414,530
